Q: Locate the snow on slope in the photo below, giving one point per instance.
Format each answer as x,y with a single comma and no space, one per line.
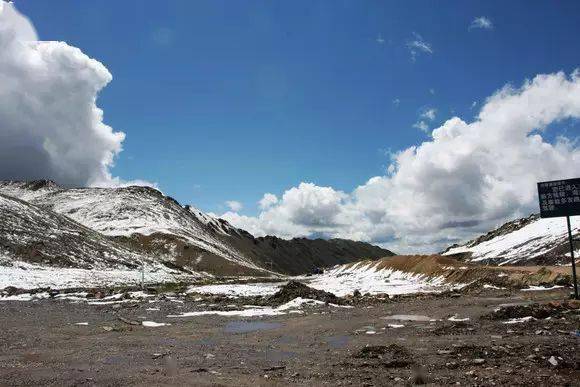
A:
24,275
46,237
365,276
131,210
520,241
40,248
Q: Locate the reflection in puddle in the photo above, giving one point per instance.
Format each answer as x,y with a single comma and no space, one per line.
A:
408,317
250,326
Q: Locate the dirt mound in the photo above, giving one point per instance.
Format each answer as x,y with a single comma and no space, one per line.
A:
539,311
294,289
453,271
392,355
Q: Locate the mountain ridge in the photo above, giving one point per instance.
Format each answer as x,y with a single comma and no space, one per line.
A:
147,222
525,241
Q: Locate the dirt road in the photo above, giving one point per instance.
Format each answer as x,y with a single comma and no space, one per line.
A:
374,343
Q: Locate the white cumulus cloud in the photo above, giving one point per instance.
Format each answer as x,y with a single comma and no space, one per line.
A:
427,115
468,177
267,201
50,126
234,205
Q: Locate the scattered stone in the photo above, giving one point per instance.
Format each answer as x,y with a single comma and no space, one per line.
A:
274,368
478,361
108,328
552,360
392,355
538,311
130,322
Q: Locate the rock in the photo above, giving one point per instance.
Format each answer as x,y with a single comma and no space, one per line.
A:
294,289
274,368
419,377
356,293
552,360
538,311
108,329
130,322
10,290
478,361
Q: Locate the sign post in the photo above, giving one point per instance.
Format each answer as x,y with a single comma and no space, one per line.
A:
572,256
561,198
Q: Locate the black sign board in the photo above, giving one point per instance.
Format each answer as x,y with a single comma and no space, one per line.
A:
562,198
559,198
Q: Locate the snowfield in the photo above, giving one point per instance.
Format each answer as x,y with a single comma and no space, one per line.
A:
29,276
341,280
293,306
533,240
366,278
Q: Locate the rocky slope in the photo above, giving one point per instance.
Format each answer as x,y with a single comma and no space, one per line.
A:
147,223
526,241
37,235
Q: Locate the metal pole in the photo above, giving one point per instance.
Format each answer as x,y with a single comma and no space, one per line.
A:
143,275
572,257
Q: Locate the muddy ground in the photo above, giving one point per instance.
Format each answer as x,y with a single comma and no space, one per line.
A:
41,345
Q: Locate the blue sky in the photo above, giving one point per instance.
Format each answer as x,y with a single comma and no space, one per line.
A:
227,100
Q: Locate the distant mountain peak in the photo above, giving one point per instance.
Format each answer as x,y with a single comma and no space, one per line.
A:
524,241
145,221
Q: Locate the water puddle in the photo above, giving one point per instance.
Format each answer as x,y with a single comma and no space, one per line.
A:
277,356
250,326
337,341
515,304
408,317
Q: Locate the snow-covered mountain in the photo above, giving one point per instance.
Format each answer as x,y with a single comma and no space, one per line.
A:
35,242
147,223
525,241
140,216
45,237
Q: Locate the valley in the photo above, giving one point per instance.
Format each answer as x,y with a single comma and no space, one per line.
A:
144,290
440,339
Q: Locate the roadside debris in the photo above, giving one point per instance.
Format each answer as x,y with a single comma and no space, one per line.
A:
552,309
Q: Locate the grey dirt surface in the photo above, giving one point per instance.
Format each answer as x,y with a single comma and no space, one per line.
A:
40,344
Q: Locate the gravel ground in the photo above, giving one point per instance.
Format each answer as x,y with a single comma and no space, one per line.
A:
374,343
